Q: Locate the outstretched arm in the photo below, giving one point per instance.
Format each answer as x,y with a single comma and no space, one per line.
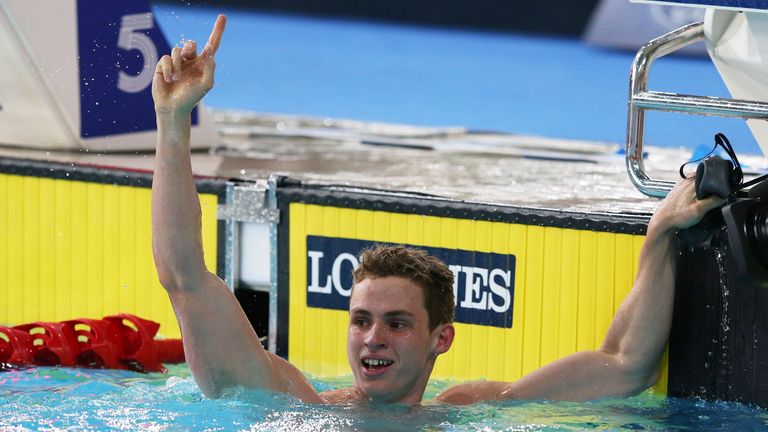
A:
628,361
221,347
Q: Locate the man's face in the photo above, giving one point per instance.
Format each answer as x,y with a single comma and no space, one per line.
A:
389,345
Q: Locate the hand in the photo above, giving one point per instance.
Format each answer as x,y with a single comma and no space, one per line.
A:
680,209
183,78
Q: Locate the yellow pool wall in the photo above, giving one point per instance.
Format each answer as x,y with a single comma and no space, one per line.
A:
72,249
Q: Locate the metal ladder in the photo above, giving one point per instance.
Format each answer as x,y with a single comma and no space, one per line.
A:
641,99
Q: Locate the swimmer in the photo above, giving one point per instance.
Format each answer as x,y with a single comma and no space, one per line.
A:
401,307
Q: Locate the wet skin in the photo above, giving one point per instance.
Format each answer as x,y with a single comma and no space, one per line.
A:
390,347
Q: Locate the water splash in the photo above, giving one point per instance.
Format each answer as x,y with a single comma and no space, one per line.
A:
725,367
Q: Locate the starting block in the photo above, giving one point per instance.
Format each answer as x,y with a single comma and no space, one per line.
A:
85,82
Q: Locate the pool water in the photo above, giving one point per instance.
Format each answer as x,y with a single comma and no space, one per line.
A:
65,399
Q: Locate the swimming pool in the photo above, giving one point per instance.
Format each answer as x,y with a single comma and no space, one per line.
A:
82,399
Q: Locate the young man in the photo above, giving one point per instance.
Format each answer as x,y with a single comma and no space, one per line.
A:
395,331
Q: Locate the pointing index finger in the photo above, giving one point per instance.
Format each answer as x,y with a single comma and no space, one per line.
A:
215,39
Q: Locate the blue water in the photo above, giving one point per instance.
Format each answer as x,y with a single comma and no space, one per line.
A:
81,399
514,83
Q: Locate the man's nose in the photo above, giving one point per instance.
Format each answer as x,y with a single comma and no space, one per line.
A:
376,338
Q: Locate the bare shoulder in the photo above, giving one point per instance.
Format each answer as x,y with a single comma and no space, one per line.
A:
341,396
475,391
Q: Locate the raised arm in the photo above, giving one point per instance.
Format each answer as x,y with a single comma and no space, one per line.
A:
628,361
221,347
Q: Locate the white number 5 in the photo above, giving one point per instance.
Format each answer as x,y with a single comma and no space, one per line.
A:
130,39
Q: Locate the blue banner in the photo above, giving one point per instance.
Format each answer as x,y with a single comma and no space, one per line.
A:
484,285
734,4
119,46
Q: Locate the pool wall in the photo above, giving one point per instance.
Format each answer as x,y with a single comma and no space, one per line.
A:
718,348
75,241
534,284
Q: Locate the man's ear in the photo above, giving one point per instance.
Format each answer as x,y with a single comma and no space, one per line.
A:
444,338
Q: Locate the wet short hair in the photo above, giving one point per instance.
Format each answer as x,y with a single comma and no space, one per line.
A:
426,271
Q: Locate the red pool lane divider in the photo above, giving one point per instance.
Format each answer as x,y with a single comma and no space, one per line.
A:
121,341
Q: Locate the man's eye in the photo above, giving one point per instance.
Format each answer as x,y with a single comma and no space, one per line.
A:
359,322
397,325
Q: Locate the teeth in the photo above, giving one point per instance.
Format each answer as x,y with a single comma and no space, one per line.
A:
375,362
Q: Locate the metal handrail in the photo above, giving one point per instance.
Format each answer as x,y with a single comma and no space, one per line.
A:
640,99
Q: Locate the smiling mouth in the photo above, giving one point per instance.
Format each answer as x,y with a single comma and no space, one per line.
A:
376,364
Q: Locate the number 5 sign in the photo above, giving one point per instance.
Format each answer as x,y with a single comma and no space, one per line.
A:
132,38
78,74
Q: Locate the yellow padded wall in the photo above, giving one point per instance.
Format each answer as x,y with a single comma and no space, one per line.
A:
568,285
72,249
